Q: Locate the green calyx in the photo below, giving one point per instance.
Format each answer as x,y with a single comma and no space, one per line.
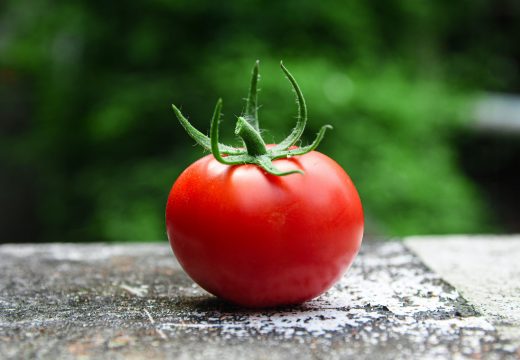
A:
247,129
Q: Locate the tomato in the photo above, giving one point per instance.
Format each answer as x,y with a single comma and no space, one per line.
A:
260,240
263,225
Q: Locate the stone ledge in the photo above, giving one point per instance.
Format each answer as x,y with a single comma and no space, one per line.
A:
121,301
485,270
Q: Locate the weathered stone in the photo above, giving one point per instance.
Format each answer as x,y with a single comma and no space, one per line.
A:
485,269
134,301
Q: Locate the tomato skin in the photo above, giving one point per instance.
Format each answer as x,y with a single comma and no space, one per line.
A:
260,240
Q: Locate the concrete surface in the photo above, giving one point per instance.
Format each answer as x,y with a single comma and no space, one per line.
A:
485,269
134,301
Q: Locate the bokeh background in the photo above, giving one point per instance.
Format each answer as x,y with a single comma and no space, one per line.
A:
89,146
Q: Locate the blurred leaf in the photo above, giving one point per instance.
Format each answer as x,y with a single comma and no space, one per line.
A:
99,144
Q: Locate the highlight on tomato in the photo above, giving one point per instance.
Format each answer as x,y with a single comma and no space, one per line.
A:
263,225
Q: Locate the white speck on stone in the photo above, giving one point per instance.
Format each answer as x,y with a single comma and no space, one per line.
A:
139,291
455,324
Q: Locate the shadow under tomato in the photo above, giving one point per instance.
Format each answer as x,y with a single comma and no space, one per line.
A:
212,303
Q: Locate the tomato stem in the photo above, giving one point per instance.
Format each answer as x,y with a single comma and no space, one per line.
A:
199,137
254,143
301,122
247,129
251,112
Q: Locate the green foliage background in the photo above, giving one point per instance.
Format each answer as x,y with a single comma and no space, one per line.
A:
91,142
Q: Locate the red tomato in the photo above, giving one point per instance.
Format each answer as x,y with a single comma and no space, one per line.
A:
261,240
